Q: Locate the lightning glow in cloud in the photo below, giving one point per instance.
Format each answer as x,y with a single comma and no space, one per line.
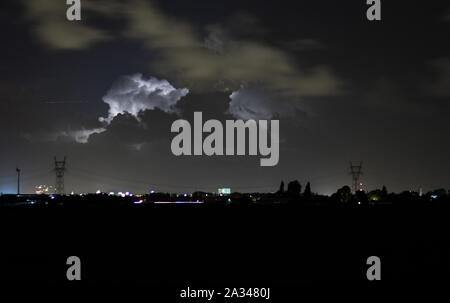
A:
133,94
82,136
258,103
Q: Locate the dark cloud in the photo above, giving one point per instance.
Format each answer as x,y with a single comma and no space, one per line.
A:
125,129
35,119
301,45
260,104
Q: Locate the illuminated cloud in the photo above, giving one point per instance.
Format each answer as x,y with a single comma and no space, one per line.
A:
135,94
260,104
82,135
135,107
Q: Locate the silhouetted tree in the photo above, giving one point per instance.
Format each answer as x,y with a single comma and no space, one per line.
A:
294,188
361,197
384,192
344,194
281,190
307,193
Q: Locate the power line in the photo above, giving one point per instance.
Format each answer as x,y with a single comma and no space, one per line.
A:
108,178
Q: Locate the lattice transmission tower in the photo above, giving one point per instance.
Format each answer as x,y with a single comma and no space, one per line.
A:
60,168
355,172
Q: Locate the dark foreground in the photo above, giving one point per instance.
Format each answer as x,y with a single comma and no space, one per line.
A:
168,247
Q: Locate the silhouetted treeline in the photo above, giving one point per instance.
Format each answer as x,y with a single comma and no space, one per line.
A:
294,195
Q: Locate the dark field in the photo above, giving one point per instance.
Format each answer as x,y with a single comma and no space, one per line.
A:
256,245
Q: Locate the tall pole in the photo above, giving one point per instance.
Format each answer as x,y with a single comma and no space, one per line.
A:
18,180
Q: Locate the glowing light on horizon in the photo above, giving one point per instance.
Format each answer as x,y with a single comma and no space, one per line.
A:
179,202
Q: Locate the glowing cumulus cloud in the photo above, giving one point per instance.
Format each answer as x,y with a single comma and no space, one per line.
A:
82,135
133,94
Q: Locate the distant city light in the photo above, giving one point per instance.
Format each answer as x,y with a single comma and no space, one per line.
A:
224,191
44,189
179,202
98,192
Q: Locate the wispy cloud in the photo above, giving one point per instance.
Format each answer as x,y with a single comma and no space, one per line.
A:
183,53
50,26
81,135
180,51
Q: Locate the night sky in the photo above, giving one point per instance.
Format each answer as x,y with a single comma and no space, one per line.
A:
343,88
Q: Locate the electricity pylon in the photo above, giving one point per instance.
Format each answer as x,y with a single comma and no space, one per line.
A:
60,168
356,172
